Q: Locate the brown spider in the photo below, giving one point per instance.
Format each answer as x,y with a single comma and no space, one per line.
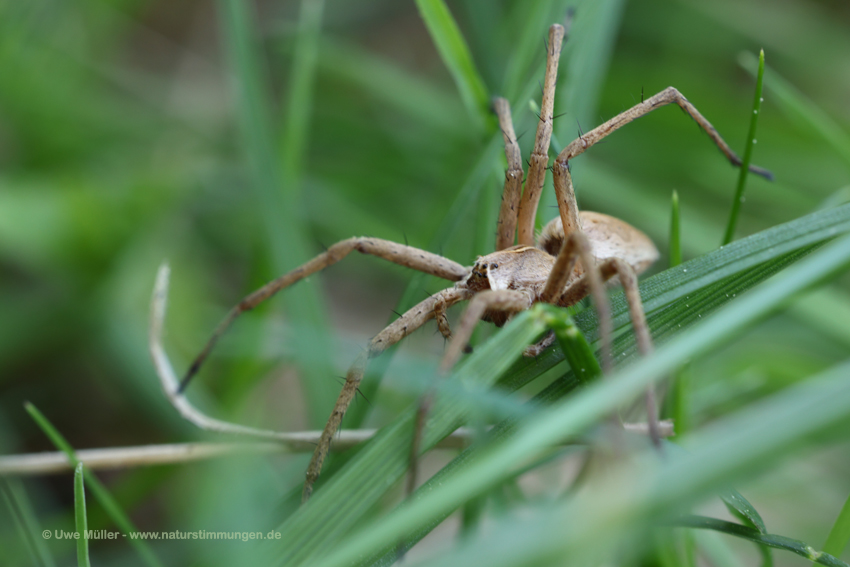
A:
573,256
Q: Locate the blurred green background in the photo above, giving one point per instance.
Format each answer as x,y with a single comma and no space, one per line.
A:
134,132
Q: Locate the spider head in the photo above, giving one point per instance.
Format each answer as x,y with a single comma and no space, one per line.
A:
478,279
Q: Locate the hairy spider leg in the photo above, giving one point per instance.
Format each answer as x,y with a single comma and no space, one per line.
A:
506,228
568,209
540,156
561,169
407,256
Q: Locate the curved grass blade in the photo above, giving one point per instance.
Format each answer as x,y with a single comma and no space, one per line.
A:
100,493
739,507
658,490
80,518
573,344
456,56
763,539
742,508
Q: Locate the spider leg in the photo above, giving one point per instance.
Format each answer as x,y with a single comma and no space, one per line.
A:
502,300
506,229
414,318
561,171
532,351
440,309
540,156
407,256
577,247
607,269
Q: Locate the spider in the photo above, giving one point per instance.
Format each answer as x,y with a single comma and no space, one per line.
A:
574,255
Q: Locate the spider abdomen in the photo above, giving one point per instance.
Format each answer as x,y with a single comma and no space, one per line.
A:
609,238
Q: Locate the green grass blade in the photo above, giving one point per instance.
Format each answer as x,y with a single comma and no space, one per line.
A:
457,58
419,99
536,20
742,508
278,206
679,390
573,344
748,154
300,95
98,490
80,520
26,522
839,535
802,110
658,490
675,231
739,507
763,539
573,415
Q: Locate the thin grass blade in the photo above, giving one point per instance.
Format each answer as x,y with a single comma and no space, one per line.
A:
80,519
748,154
100,493
457,58
801,109
26,523
763,539
278,204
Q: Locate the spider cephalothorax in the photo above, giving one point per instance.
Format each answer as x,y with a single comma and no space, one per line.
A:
575,254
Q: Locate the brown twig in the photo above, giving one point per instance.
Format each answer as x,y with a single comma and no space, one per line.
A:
173,453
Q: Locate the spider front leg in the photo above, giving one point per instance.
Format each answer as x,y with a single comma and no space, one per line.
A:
506,229
407,256
561,169
540,156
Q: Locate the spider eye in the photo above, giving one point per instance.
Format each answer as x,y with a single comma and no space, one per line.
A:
494,266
